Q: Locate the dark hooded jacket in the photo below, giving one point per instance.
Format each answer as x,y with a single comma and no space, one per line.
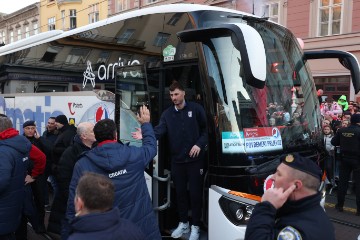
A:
14,154
63,177
64,139
105,226
125,166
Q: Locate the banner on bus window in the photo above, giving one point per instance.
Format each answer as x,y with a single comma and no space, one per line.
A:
233,142
252,140
262,139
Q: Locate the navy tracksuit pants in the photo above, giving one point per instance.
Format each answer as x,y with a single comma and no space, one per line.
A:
183,174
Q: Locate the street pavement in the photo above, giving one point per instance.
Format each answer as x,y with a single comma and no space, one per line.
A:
346,224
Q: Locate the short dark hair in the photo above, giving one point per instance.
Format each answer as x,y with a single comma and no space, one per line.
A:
105,130
5,123
96,191
52,118
176,85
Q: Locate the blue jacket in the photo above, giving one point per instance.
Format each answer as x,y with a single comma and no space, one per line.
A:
105,226
184,128
125,166
14,152
303,219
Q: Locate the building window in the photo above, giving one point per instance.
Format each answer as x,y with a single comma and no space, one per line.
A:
19,34
27,32
151,1
121,5
63,19
333,86
330,14
94,13
35,28
2,37
72,18
50,54
11,36
174,19
103,57
160,39
271,10
77,56
124,38
51,23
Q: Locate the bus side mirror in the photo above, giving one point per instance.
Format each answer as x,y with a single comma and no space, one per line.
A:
347,59
245,39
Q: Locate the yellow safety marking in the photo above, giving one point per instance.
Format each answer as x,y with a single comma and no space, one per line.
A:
347,209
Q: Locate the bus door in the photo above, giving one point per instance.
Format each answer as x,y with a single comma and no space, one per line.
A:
131,92
158,81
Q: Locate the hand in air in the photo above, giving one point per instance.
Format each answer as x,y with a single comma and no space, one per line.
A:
143,116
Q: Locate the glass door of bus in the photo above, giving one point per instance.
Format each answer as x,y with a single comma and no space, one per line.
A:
131,92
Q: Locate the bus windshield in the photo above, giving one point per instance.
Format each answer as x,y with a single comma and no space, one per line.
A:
280,117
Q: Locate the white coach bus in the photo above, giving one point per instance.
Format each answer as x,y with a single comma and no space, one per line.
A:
250,74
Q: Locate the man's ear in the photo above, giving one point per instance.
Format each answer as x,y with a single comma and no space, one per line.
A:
79,205
298,184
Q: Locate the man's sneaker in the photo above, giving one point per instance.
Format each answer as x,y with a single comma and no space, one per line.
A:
180,230
195,233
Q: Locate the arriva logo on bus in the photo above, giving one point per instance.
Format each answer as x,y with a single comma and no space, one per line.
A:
103,72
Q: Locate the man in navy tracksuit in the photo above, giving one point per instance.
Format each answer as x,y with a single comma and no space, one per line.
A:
184,123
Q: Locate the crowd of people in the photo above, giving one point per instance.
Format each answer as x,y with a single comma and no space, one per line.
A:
341,130
36,158
291,209
98,182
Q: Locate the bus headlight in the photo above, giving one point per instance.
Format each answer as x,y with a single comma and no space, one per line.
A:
238,213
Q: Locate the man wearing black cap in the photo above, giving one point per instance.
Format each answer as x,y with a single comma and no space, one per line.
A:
291,210
38,186
349,141
65,138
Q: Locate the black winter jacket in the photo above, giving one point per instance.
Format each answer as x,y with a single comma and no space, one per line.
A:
64,139
63,177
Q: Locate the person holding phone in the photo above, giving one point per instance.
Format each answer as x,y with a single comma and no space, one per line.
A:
291,210
38,185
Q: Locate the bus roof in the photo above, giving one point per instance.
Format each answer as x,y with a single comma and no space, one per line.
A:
58,34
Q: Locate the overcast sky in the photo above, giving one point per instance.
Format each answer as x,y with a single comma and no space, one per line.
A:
10,6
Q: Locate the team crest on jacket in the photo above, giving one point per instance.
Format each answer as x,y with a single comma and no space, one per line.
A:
189,113
289,233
